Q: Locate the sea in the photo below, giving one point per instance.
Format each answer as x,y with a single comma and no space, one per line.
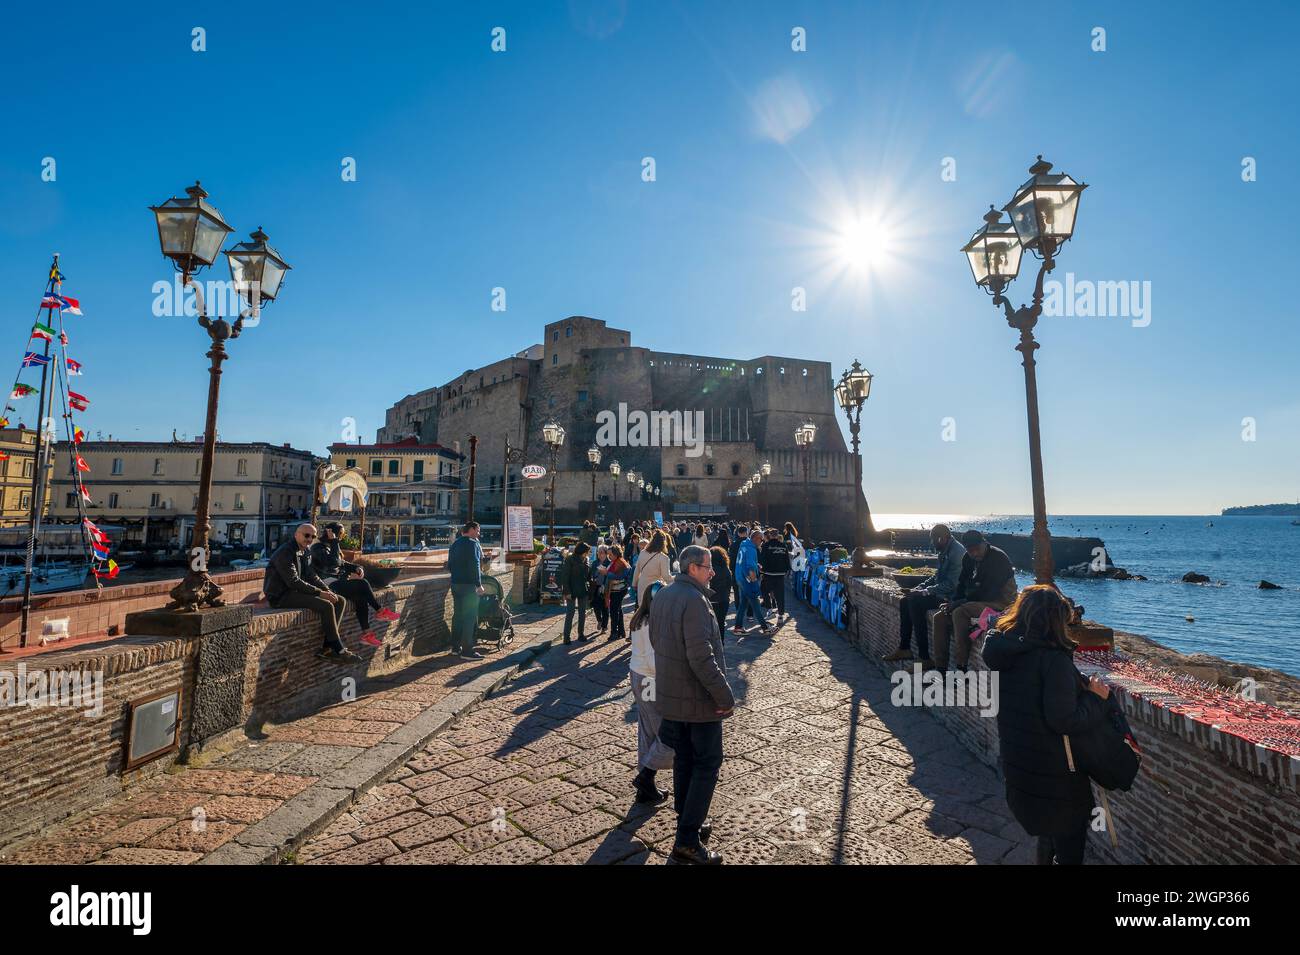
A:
1230,617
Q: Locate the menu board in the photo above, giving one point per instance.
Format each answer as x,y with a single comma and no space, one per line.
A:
519,529
552,563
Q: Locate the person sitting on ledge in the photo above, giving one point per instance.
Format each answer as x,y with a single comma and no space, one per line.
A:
929,594
987,580
291,583
347,580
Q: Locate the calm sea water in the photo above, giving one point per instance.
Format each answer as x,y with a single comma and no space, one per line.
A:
1233,618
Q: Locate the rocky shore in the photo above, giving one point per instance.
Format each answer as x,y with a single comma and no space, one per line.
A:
1272,686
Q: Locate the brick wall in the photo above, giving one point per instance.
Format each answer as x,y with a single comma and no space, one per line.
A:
55,761
1203,796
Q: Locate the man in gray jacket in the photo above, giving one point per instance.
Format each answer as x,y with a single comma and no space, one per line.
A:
930,594
691,690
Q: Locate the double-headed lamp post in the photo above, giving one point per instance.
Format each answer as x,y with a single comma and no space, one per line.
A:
853,390
614,469
190,233
553,435
1042,214
593,455
804,435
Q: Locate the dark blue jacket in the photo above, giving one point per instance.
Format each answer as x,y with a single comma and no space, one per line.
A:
465,561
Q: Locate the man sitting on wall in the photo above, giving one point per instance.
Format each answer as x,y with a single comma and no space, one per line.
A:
347,580
291,583
987,580
929,594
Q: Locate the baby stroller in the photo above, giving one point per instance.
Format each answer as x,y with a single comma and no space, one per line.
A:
493,614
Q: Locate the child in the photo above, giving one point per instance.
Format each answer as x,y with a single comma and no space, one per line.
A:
618,577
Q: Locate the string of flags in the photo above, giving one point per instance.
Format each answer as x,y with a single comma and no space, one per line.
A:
43,335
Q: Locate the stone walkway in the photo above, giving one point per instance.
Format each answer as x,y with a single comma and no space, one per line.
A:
820,768
238,806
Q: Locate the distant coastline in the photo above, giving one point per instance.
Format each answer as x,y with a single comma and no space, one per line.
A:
1262,510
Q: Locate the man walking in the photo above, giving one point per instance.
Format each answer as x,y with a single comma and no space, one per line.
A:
774,559
694,698
748,578
290,582
929,594
465,562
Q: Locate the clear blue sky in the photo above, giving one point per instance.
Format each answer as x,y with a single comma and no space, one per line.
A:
522,169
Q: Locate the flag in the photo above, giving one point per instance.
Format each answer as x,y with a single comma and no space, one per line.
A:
110,573
63,338
43,332
74,367
4,422
81,464
77,435
3,456
73,394
22,391
32,360
75,405
54,300
85,495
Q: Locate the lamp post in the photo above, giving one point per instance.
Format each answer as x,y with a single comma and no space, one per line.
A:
766,471
631,483
593,455
190,233
553,435
804,435
1042,214
511,456
614,469
853,390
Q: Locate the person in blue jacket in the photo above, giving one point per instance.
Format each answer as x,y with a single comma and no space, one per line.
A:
749,576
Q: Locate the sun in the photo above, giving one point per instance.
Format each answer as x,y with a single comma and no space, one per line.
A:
863,245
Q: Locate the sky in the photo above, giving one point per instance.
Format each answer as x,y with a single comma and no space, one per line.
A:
853,169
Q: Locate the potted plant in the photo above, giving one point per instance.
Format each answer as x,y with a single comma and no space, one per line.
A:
909,577
349,548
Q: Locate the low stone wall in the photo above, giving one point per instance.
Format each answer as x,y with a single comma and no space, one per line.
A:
1203,796
55,761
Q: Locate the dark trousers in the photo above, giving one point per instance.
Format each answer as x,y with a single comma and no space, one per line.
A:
774,588
720,611
616,628
464,618
912,620
1067,849
697,749
580,604
362,596
598,608
330,614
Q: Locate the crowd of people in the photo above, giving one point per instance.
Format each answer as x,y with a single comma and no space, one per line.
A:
680,581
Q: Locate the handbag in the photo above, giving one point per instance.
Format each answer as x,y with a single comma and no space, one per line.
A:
1106,753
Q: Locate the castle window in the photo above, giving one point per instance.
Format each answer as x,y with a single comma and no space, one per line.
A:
568,331
555,359
821,472
582,396
709,469
555,335
681,470
735,469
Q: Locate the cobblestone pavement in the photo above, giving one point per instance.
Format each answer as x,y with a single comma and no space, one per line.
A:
182,817
820,768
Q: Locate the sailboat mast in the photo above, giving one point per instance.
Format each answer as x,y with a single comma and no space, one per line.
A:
38,477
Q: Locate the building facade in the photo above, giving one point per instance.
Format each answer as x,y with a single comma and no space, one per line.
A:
697,427
18,447
414,489
150,489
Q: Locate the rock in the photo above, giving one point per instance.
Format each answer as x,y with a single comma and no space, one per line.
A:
1136,577
1192,577
1268,585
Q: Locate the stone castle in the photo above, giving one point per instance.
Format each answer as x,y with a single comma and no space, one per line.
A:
585,373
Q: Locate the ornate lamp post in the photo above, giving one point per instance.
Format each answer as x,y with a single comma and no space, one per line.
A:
766,471
614,469
804,435
1042,213
190,233
853,390
593,455
553,435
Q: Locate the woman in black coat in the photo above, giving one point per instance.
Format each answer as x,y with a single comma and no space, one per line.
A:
721,585
1042,698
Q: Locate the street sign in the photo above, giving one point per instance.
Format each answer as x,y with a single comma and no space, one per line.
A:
533,471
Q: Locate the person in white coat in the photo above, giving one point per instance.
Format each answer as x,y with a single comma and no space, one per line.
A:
652,755
654,564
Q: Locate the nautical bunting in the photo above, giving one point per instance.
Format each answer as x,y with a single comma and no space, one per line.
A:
74,367
33,360
54,300
43,332
81,464
21,391
110,573
78,435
